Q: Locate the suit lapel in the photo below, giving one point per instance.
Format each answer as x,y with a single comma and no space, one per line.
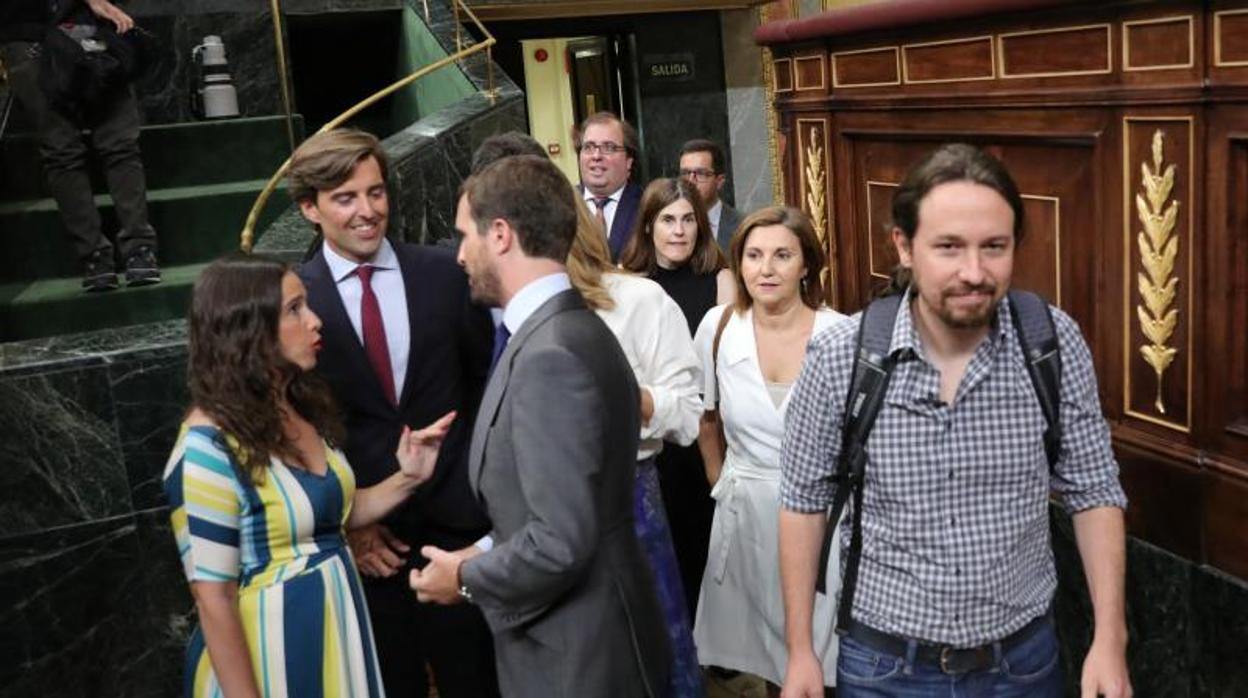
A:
622,225
415,310
496,388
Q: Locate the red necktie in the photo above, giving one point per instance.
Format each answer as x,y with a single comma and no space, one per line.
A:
375,333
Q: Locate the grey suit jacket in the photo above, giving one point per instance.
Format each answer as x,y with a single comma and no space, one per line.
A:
566,589
729,219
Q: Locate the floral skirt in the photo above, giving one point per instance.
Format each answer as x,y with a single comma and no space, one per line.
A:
656,539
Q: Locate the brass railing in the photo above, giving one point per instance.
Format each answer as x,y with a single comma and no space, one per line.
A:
247,237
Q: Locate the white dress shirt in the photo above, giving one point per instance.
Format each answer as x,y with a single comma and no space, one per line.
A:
713,214
655,337
387,285
608,211
531,297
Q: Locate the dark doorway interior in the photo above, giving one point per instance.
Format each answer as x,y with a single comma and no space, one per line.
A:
338,59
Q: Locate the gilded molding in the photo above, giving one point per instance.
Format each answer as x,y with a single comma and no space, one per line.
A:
816,198
1159,248
773,144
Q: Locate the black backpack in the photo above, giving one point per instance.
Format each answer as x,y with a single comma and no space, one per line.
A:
873,367
74,78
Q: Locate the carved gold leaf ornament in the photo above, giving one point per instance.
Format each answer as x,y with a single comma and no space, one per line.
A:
816,203
1159,248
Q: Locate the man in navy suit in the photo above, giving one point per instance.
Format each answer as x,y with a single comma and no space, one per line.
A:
402,345
607,146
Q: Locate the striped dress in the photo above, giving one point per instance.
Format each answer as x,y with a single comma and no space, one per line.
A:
302,608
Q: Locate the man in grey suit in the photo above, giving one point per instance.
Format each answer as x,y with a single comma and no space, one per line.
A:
702,163
562,582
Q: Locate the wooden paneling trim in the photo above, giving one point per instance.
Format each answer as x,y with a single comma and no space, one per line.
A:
872,231
1003,66
800,68
1133,267
782,69
1057,242
947,46
1127,64
849,60
1220,43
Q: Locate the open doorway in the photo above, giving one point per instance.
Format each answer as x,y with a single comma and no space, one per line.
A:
568,78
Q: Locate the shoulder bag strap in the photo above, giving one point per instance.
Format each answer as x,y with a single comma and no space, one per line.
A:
1037,335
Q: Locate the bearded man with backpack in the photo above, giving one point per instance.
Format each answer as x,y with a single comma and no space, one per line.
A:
948,414
70,64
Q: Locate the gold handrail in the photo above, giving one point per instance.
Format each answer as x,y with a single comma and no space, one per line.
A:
246,238
279,38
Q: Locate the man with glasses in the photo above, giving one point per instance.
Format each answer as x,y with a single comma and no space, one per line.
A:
702,163
607,145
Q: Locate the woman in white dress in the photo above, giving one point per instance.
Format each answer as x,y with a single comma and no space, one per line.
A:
776,261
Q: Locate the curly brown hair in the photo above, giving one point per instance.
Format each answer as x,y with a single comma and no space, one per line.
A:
236,372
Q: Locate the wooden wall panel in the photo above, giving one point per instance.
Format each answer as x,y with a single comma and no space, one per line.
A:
1155,484
1158,201
1230,38
1072,100
1226,280
955,60
1162,43
870,68
1054,175
1226,510
1057,52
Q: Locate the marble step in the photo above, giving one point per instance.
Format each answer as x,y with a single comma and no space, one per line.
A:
174,155
193,224
57,306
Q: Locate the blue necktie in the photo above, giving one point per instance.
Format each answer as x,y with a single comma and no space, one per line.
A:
501,335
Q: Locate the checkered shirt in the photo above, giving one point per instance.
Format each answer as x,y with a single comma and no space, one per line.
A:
955,506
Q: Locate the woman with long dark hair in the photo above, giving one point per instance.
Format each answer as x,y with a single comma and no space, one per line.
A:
672,244
260,496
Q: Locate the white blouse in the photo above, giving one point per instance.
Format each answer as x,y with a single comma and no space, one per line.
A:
655,337
753,425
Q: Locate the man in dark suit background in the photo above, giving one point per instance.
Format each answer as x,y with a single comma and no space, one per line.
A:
702,163
606,147
565,587
402,344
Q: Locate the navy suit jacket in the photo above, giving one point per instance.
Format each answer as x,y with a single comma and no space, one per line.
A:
625,218
448,360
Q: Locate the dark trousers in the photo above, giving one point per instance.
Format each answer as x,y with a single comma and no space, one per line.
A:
113,127
690,509
454,640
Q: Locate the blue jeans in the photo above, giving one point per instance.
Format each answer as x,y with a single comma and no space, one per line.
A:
1030,669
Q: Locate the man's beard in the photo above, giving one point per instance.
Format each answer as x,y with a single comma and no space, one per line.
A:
484,287
968,319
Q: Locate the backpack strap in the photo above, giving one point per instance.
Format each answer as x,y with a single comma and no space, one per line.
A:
1037,335
872,369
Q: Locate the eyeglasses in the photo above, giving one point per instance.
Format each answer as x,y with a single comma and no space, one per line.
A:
607,148
698,175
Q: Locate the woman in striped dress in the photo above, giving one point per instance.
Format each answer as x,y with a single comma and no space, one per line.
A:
260,497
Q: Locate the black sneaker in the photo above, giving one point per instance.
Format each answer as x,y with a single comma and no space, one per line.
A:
98,274
141,268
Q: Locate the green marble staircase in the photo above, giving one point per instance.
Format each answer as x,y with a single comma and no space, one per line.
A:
202,179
